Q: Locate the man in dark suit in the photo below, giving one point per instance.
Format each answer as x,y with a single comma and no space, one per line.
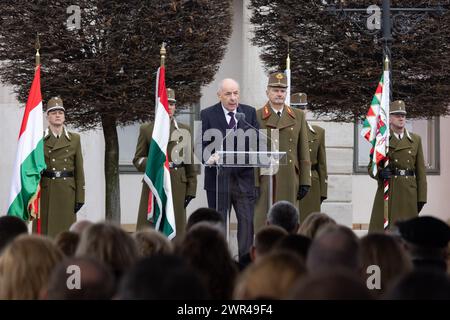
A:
236,185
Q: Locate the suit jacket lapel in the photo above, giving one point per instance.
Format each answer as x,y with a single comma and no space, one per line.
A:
223,124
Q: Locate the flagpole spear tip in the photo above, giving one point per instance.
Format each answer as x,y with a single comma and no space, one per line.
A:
37,46
162,53
386,63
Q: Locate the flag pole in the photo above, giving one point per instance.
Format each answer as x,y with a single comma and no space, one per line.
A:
37,46
386,162
162,53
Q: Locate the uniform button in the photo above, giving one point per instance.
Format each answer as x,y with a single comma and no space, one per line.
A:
67,150
54,169
176,168
64,178
396,160
65,160
64,169
395,177
290,139
53,160
409,151
53,178
49,151
408,160
406,177
292,128
290,150
310,150
290,160
177,142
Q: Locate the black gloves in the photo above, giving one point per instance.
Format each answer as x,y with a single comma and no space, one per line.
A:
322,198
302,191
385,173
420,206
78,206
187,200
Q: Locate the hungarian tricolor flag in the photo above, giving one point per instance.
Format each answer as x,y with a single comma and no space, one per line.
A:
157,175
376,125
25,192
376,131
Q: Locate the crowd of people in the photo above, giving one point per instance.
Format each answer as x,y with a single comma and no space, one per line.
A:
318,259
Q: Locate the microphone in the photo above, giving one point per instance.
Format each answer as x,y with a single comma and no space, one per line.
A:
240,116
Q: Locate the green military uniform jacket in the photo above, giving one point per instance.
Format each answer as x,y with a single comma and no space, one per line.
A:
319,176
293,139
404,191
59,195
183,178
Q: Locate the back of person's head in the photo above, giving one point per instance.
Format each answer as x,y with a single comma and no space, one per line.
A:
206,250
334,247
333,285
10,228
313,223
204,215
162,277
271,277
284,214
109,244
150,242
385,252
26,265
91,280
67,242
294,243
421,285
265,240
80,226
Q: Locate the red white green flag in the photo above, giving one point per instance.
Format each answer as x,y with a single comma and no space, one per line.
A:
157,174
375,128
25,192
376,131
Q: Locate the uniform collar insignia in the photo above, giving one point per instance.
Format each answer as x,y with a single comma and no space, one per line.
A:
290,111
66,133
408,135
266,112
311,128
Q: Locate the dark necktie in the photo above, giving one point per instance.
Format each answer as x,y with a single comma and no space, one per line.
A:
232,123
279,114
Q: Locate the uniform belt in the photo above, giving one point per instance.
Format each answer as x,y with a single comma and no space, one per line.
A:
57,174
315,167
173,165
403,172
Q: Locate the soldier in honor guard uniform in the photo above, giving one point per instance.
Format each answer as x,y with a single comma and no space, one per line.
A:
293,180
406,173
319,176
62,183
183,175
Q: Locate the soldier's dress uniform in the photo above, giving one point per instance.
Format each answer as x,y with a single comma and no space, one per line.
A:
293,139
408,183
62,183
183,174
317,153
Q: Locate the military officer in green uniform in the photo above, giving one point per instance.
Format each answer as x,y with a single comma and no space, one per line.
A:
62,183
319,176
406,173
183,174
292,181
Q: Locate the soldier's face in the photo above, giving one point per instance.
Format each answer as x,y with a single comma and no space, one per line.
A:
397,121
229,94
56,118
172,107
276,96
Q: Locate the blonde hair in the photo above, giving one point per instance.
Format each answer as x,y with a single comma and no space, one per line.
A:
26,265
271,277
313,223
151,242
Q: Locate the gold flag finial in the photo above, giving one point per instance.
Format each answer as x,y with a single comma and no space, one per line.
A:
386,64
162,53
37,46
